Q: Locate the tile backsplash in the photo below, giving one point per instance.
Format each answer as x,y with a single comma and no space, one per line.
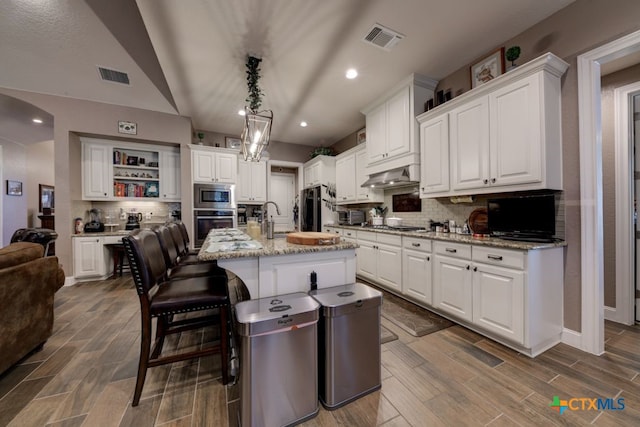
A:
441,209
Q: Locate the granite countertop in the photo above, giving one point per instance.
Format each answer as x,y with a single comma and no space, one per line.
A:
262,247
461,238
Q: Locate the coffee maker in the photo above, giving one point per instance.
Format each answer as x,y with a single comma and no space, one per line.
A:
133,221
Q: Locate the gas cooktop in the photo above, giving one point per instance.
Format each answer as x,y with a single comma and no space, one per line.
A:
396,228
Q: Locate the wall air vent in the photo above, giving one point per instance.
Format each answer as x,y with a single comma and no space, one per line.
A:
113,76
382,37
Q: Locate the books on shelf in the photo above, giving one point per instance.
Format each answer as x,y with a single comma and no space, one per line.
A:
121,189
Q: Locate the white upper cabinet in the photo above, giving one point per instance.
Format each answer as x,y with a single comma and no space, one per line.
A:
252,182
503,136
214,165
96,171
121,170
346,178
351,173
392,130
434,154
321,170
170,176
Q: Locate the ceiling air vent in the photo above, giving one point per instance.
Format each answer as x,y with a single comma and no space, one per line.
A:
382,37
113,76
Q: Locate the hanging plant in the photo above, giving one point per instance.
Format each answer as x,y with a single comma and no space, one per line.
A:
253,76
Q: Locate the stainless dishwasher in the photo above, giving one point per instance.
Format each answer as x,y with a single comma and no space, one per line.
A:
349,343
278,360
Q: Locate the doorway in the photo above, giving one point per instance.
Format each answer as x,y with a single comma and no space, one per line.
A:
591,337
284,182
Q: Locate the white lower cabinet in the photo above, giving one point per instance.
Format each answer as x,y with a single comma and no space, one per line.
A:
511,295
416,269
380,258
498,300
452,279
89,257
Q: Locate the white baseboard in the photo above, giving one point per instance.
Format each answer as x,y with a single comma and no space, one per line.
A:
69,281
572,338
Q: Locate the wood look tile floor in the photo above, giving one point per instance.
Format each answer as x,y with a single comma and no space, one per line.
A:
85,376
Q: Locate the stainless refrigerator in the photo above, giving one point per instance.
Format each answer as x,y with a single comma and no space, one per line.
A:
317,208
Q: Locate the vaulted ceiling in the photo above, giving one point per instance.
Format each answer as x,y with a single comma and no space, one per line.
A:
188,57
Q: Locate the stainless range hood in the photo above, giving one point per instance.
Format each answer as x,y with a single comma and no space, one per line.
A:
399,177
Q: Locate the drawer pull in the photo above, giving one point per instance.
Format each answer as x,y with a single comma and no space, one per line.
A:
495,257
415,245
468,267
453,251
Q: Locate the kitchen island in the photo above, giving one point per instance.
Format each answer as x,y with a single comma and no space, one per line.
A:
271,267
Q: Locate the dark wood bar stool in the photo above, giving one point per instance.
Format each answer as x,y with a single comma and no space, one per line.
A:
119,256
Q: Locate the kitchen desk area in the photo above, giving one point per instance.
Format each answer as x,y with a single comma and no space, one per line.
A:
271,267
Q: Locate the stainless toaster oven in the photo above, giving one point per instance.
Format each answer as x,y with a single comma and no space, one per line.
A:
351,217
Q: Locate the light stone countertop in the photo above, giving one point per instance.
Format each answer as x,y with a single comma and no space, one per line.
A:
461,238
270,247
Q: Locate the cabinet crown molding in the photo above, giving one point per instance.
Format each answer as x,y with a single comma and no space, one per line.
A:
412,80
547,62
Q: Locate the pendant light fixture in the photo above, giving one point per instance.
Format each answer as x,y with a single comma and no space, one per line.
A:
257,124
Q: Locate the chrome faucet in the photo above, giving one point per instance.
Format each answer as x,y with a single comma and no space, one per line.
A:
264,210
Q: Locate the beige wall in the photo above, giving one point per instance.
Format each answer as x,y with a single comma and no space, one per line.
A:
572,31
77,117
14,208
41,170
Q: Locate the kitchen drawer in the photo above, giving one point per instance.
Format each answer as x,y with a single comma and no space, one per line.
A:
455,250
112,240
351,234
333,230
366,235
422,245
389,239
501,257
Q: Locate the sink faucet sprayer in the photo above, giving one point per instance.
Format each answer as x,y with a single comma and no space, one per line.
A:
264,223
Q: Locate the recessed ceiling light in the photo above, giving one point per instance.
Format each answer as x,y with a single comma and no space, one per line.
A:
352,73
303,124
38,121
241,112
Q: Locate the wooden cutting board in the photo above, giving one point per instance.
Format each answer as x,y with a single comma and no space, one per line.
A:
312,238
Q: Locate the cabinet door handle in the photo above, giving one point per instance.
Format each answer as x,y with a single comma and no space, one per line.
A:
485,181
428,258
468,266
495,257
475,268
415,245
493,180
453,251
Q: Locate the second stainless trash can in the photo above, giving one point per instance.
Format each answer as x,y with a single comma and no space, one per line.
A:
349,343
278,360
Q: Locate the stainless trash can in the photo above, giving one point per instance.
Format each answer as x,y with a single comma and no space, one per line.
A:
278,360
349,343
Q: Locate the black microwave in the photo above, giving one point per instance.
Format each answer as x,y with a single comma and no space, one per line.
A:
213,196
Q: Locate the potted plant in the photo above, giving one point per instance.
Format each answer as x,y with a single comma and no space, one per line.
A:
324,151
512,54
200,136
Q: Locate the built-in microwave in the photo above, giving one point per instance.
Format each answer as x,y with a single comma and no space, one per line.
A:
213,196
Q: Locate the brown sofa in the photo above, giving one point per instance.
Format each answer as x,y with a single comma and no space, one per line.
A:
27,285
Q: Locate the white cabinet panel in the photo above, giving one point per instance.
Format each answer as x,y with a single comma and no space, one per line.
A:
498,301
417,275
96,171
469,139
434,154
89,257
169,176
214,166
252,182
452,291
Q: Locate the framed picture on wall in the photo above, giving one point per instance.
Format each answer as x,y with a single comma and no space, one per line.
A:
361,136
488,68
14,188
232,142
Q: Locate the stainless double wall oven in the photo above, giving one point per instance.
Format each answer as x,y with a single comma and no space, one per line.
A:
213,207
